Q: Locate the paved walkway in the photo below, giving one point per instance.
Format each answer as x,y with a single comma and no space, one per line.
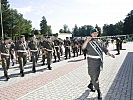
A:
69,79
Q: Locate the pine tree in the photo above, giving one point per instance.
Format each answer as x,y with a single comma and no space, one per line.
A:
43,26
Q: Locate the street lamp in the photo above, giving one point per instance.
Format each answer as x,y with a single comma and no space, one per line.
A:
1,20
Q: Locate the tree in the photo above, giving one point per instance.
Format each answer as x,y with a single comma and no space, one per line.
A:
128,23
35,31
82,31
5,14
13,22
49,30
43,26
75,30
119,28
65,29
109,30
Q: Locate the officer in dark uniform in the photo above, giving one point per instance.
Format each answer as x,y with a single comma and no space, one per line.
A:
21,49
33,48
95,60
56,52
47,46
67,45
5,55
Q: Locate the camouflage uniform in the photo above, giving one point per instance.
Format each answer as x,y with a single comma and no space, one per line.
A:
33,46
67,45
5,56
47,47
21,52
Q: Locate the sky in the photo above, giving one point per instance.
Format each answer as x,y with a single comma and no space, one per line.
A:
71,12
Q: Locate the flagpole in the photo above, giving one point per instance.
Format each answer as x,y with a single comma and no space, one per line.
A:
1,20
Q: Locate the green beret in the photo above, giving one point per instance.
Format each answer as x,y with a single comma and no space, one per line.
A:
93,30
21,36
32,35
56,34
7,38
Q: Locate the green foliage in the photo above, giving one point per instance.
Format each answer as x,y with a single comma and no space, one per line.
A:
13,22
82,31
128,23
35,31
110,30
49,30
43,26
65,29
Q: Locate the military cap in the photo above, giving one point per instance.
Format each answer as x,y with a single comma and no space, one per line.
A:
56,34
93,30
21,36
32,35
7,38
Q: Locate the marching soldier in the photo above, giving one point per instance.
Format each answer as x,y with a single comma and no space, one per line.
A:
47,46
81,41
118,46
75,47
84,50
44,52
67,45
21,53
95,60
56,48
12,52
33,48
5,56
60,46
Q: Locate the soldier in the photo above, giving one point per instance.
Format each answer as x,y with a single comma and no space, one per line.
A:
21,53
67,45
118,46
47,46
75,47
12,53
5,55
60,46
81,41
84,50
33,48
95,60
44,52
56,48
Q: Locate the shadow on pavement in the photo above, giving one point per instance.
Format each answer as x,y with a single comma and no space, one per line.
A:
122,85
2,78
76,60
85,95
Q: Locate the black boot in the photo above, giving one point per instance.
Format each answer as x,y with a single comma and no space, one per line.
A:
33,70
7,77
12,63
90,86
22,73
99,94
50,68
43,63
